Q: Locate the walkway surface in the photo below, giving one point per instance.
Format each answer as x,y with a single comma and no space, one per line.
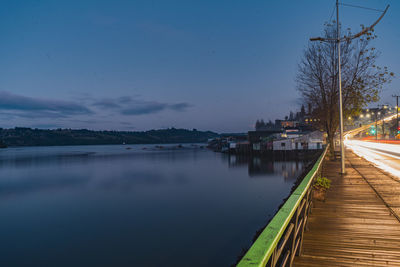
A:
358,224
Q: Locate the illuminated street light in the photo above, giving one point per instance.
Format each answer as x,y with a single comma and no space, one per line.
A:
339,40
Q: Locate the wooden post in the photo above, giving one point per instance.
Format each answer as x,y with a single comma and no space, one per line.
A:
293,246
305,219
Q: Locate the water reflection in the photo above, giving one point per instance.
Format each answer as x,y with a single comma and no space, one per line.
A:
264,167
34,156
106,205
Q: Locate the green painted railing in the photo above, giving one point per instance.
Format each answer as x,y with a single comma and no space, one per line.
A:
282,239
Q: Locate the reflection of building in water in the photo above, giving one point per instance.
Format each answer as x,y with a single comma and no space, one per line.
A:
264,167
260,166
288,169
237,160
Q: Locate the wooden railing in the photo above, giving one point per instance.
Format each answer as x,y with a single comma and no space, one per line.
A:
281,240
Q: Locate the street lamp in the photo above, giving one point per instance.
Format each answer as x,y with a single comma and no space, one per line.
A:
376,125
338,41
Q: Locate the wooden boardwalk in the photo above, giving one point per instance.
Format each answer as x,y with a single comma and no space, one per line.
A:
358,224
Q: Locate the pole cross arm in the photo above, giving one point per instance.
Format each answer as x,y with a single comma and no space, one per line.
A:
367,29
348,38
323,39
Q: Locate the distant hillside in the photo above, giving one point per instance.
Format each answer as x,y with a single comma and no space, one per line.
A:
36,137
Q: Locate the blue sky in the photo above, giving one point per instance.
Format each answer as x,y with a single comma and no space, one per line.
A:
138,65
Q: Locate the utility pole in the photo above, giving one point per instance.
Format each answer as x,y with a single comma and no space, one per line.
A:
397,110
376,125
343,169
381,108
338,40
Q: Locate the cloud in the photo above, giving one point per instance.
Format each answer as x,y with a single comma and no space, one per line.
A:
107,103
125,99
24,106
84,112
179,106
127,105
140,108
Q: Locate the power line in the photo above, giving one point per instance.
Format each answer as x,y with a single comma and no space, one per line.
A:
333,11
368,8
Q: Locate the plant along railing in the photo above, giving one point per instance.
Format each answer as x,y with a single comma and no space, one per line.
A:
282,239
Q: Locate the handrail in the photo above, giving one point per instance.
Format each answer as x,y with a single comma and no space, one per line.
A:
265,249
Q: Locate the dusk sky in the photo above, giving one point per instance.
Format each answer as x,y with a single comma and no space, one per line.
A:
139,65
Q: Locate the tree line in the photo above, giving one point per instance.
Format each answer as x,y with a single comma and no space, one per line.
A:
38,137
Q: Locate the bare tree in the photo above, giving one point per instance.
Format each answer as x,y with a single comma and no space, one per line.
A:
317,78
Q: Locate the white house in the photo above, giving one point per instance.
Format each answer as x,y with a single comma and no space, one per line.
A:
283,144
311,141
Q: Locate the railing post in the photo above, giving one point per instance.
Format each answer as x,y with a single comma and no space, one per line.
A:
293,246
305,219
272,261
309,205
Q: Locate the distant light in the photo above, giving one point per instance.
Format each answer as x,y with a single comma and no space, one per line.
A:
368,115
349,118
362,116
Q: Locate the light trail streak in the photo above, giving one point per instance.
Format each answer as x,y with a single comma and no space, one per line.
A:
392,149
382,155
367,150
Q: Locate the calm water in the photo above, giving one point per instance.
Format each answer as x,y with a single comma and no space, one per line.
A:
110,206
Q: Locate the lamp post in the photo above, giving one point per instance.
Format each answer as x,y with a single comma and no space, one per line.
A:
376,126
383,109
338,40
397,110
343,169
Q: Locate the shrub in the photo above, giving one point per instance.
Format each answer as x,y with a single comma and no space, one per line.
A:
323,182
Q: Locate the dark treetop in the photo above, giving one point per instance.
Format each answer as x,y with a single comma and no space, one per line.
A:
37,137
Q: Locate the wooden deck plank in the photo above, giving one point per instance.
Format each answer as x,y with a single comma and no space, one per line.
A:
355,225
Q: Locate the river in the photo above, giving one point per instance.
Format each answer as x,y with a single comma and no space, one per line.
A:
135,205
